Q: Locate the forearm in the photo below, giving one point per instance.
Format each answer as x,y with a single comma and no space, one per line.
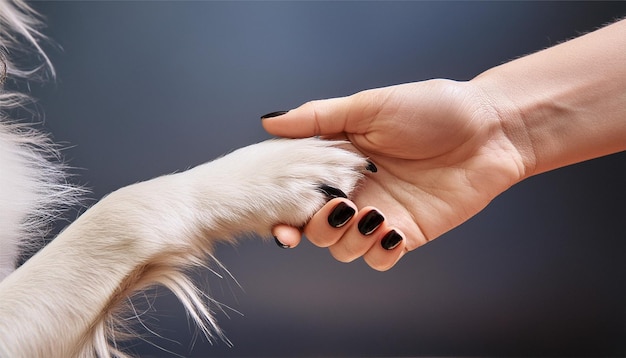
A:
565,104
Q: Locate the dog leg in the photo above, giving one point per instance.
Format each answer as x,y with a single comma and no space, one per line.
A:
64,300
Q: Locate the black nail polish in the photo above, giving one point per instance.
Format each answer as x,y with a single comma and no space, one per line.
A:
341,214
371,167
273,114
391,240
280,244
370,222
331,192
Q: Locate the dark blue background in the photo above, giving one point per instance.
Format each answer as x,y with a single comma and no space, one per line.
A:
147,88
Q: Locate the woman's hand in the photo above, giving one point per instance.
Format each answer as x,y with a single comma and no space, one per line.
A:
441,156
445,149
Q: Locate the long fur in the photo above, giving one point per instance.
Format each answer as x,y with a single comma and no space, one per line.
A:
70,299
33,187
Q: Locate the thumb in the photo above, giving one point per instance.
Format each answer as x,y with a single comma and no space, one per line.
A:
315,118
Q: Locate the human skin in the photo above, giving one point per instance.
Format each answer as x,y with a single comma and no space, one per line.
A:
444,149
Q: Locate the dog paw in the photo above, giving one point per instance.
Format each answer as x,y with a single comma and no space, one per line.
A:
152,232
276,181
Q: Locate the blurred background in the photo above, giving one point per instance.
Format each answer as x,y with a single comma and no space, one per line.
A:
148,88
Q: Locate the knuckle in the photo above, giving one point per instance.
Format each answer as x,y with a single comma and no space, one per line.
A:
379,266
342,254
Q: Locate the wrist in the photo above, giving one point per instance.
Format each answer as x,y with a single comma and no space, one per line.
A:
510,128
565,104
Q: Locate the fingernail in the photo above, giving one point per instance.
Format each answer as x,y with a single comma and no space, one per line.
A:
391,240
341,214
370,222
371,167
273,114
280,244
331,192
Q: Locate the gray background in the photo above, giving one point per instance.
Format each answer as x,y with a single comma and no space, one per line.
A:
147,88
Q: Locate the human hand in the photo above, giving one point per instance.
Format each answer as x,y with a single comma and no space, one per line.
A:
442,155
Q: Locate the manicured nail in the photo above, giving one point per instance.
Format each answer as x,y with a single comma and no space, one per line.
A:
370,222
331,192
273,114
391,240
341,214
371,167
280,244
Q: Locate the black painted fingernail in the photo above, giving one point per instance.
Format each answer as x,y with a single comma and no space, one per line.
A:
341,214
391,240
331,192
370,222
280,244
371,167
273,114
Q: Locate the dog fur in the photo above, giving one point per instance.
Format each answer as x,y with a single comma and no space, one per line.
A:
68,300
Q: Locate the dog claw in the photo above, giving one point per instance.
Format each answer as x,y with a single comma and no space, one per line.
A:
331,192
371,167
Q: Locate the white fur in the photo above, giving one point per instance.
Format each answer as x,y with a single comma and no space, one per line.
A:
62,302
69,299
33,187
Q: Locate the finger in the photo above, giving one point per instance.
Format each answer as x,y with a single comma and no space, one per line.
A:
372,192
286,236
359,238
328,225
326,117
322,117
387,251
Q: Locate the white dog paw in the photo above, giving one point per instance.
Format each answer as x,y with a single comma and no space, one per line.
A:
282,181
276,181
